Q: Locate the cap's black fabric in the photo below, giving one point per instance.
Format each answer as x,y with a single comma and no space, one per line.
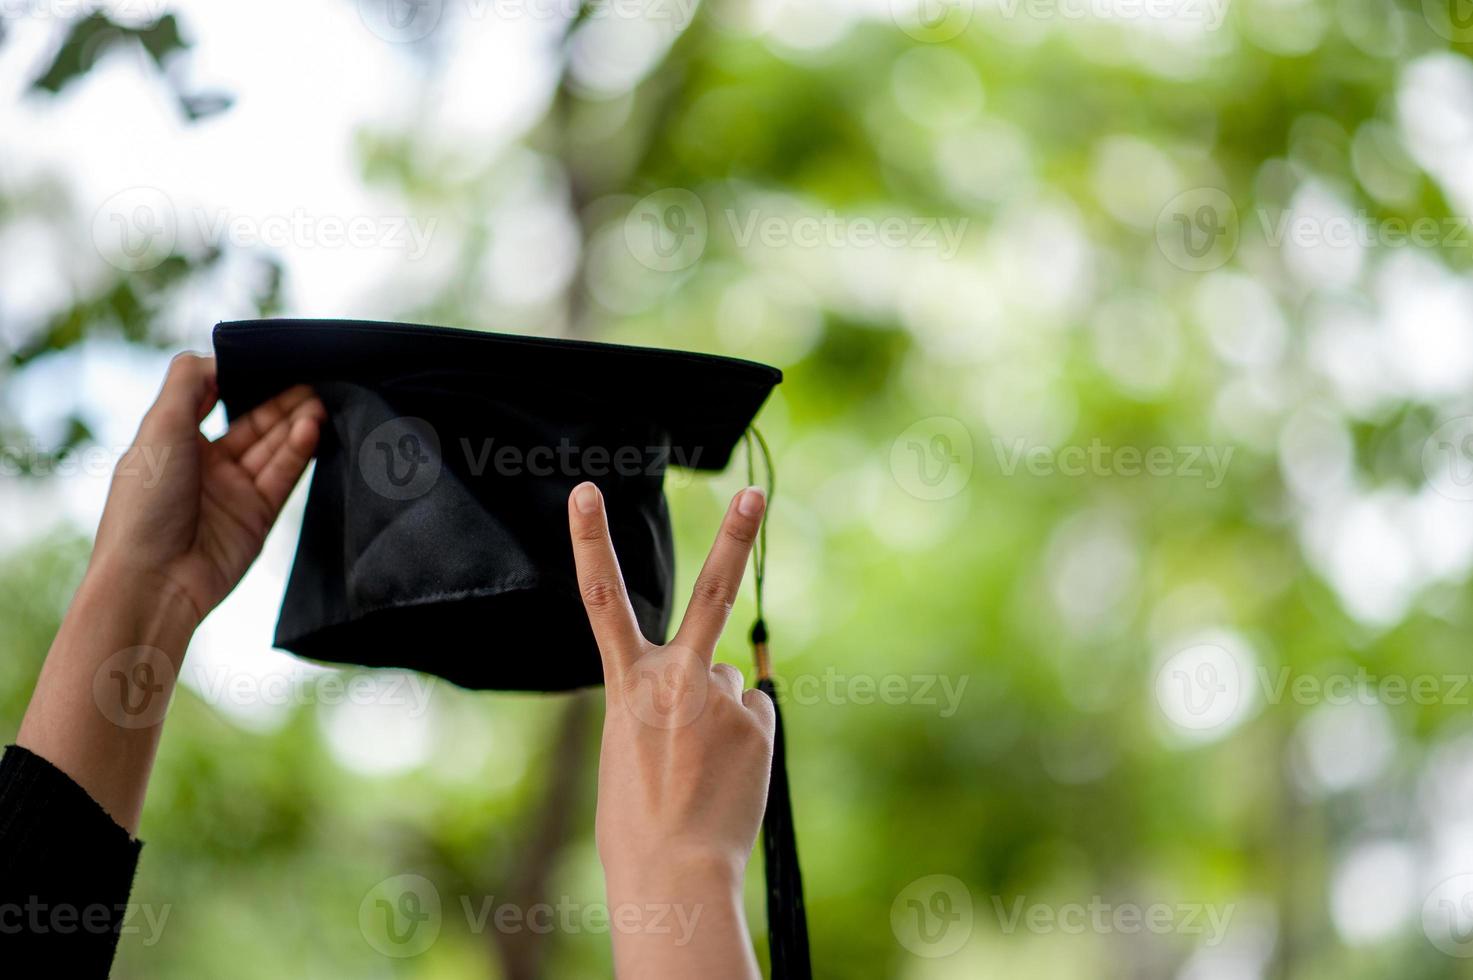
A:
435,535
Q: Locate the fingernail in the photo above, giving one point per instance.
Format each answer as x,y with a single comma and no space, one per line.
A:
585,497
750,501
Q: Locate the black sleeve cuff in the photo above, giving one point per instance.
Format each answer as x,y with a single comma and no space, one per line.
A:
66,869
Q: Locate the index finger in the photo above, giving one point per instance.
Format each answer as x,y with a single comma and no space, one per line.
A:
599,580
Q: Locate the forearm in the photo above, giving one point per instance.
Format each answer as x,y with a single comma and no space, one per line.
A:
690,923
97,710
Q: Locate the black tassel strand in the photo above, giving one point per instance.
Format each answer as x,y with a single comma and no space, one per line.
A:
787,920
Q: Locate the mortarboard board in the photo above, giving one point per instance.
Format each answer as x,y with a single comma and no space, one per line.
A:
435,533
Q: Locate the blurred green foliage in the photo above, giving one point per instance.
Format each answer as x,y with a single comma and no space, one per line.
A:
1047,600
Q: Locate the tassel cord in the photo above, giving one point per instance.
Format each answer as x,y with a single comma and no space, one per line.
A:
787,920
756,443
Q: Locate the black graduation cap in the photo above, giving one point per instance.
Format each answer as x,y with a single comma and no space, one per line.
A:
435,535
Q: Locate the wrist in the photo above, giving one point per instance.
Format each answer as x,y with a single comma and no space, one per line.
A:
676,870
106,684
159,610
700,892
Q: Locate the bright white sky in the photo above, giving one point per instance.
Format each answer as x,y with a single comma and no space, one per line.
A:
285,147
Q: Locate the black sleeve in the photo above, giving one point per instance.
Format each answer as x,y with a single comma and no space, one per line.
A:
66,869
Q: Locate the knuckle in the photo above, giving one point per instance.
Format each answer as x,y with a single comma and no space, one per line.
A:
715,590
681,665
684,673
601,594
726,673
166,416
727,711
749,725
184,363
762,710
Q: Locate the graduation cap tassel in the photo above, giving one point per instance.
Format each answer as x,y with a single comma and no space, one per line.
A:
787,922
